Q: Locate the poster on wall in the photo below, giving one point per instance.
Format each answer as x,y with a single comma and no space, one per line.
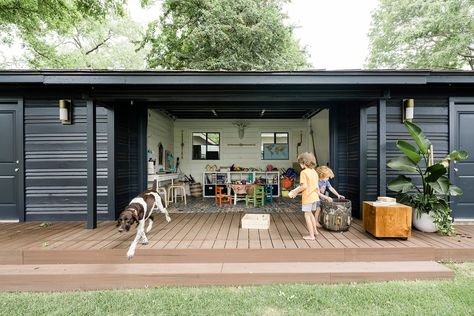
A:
275,152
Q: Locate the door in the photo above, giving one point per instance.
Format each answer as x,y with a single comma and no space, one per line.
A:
462,172
11,162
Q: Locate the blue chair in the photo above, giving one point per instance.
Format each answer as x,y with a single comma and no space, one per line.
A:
269,192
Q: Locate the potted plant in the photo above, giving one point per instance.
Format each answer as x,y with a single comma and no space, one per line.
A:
428,197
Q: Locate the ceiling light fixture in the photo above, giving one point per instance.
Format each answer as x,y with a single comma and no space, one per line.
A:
214,112
263,112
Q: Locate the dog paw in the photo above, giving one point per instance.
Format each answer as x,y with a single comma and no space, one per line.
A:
130,254
168,218
145,242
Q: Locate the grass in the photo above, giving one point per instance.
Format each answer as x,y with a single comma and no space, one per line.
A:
454,297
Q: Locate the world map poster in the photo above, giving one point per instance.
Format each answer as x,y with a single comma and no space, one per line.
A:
275,152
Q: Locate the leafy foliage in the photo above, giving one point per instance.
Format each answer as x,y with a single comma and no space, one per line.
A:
435,34
33,16
435,185
68,33
103,44
223,35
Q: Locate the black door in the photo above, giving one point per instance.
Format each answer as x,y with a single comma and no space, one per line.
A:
462,172
11,175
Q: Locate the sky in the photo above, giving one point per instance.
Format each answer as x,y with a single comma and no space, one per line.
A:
334,32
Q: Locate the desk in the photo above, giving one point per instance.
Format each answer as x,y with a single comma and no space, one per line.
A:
163,177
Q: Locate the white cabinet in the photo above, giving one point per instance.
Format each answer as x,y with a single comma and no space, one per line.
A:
212,178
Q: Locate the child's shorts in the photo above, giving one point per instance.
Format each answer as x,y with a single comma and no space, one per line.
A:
309,207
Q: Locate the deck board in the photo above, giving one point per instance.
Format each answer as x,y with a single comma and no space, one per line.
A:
221,231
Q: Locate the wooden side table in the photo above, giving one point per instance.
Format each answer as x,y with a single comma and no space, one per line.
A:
392,221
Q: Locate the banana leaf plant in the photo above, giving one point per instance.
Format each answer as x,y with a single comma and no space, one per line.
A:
435,187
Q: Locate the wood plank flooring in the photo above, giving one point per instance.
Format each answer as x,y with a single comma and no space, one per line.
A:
215,231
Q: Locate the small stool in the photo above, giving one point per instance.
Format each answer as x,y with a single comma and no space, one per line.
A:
173,191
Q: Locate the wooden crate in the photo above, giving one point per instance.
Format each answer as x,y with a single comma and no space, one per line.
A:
387,220
256,221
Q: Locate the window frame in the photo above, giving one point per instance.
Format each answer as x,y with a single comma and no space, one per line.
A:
206,141
275,142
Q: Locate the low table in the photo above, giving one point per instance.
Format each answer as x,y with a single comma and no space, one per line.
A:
387,221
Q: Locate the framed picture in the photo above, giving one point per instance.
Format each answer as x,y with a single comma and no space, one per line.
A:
275,152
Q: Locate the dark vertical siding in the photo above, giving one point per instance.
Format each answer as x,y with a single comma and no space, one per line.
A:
55,162
372,167
432,117
347,150
127,160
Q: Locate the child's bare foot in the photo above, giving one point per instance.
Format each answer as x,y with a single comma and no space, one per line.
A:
309,238
318,225
316,233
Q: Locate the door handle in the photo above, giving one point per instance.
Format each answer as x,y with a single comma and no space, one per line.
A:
16,169
456,169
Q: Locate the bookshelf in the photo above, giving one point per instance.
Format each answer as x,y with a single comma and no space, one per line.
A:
212,178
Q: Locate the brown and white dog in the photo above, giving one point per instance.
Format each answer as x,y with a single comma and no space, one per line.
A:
139,210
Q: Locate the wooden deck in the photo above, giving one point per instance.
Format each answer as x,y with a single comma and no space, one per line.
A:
211,249
217,236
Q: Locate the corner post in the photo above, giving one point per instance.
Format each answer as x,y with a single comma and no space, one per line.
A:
91,166
382,147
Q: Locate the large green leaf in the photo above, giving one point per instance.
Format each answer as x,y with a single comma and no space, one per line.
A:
455,190
441,185
457,155
401,184
435,171
409,150
402,164
419,137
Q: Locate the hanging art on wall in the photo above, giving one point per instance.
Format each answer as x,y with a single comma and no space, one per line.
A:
160,154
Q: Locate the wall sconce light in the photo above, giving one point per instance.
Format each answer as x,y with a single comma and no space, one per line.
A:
408,110
65,114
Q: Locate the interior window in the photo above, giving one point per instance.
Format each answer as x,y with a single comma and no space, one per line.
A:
275,146
206,146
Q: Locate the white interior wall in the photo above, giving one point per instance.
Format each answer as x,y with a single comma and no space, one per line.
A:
320,123
164,130
160,129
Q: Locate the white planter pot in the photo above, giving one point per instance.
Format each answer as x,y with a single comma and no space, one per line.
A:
424,222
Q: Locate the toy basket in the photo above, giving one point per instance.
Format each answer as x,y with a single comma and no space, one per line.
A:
336,215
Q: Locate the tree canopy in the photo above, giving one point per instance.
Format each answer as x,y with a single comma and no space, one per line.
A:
31,16
435,34
62,33
93,44
223,35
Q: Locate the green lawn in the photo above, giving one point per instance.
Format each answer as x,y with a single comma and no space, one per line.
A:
390,298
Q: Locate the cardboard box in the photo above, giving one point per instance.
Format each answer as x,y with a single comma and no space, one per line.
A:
256,221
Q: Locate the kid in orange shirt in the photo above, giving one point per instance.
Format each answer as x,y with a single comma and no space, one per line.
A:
309,188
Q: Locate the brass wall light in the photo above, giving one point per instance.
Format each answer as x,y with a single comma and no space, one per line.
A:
65,111
408,110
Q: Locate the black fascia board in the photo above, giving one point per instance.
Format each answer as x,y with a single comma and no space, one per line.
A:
132,78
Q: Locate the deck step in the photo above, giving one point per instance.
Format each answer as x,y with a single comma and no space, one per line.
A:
65,277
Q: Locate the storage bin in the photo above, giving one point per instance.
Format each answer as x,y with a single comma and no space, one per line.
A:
336,215
256,221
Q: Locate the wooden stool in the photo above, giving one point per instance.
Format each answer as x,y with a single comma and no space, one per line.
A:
219,197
